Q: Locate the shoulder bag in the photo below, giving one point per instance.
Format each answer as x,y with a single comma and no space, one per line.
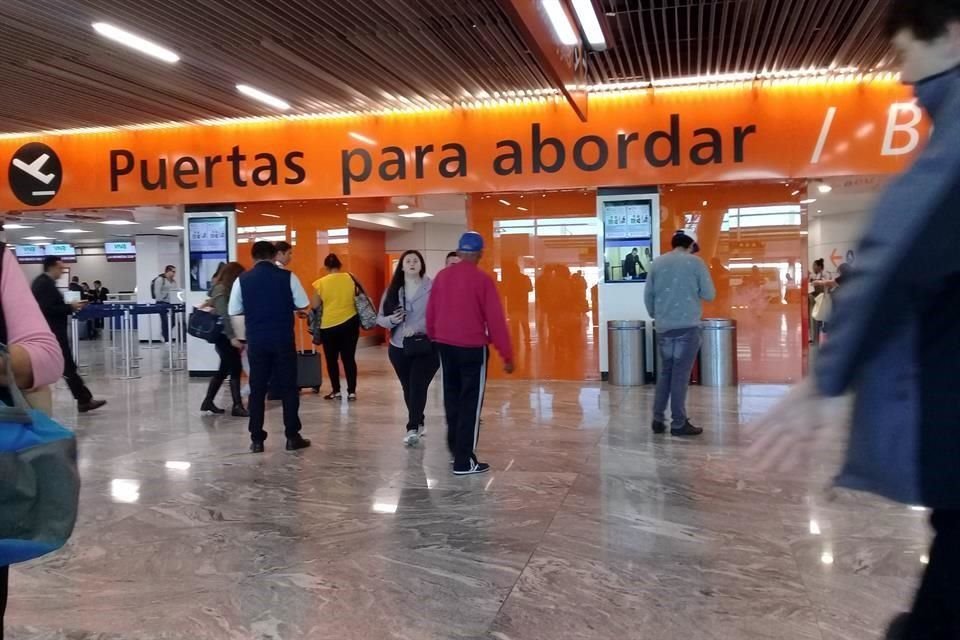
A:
822,306
40,489
365,308
418,344
205,325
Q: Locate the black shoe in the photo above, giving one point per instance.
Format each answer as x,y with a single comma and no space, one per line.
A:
471,469
686,430
239,412
92,405
256,447
293,444
898,628
209,407
659,426
333,396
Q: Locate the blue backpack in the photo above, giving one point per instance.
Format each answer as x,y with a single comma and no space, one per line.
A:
39,480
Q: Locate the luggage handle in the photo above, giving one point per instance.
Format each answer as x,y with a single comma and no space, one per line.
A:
299,333
19,413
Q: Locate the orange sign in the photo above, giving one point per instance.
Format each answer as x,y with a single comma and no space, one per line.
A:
671,136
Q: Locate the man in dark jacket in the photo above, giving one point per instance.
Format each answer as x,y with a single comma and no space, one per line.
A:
57,311
902,360
267,296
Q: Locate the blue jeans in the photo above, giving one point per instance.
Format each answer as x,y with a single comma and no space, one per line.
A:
678,351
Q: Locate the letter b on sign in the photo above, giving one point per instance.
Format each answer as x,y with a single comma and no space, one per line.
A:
901,138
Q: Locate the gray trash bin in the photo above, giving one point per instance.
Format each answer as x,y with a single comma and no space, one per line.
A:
626,351
718,355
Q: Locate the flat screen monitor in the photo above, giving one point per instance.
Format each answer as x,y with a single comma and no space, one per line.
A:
207,245
120,251
29,254
627,239
66,252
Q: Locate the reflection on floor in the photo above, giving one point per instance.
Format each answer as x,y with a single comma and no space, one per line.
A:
589,527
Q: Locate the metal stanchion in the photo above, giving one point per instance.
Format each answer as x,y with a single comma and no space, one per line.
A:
150,344
127,338
172,359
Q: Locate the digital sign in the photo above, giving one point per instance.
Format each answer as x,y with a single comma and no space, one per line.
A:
120,251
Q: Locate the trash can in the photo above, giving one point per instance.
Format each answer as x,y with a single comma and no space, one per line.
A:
718,355
626,352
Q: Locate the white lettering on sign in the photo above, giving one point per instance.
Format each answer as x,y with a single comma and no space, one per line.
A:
824,132
909,128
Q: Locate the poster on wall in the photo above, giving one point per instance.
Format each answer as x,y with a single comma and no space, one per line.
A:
120,251
208,247
627,239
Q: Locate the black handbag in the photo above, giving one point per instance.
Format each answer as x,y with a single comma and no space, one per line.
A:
418,345
205,325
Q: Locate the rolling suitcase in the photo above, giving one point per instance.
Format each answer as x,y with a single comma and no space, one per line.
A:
309,371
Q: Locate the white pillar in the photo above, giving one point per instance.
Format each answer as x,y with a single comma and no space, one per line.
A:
154,253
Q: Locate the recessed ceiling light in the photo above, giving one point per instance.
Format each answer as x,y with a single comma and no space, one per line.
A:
14,226
170,227
824,188
506,203
37,238
403,207
560,21
41,244
134,41
262,96
118,223
796,193
808,201
72,231
416,214
522,209
587,16
270,215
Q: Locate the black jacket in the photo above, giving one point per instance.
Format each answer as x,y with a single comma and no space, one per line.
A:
55,309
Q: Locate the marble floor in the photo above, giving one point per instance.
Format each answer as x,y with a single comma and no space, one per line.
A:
588,527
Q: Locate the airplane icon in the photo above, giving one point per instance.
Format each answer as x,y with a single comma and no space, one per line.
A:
33,169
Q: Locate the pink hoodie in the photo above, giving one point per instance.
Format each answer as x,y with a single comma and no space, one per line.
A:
26,326
464,310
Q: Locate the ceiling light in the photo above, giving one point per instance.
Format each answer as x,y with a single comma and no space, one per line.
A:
522,209
41,244
590,23
824,188
416,214
796,193
505,203
561,22
170,227
118,223
72,231
14,226
266,98
37,238
135,42
705,203
403,207
362,138
270,215
808,201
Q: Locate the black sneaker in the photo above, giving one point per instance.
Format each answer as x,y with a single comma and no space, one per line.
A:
211,409
93,405
240,412
472,469
256,447
659,426
686,430
294,444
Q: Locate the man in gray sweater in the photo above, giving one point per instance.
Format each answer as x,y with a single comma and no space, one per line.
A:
677,282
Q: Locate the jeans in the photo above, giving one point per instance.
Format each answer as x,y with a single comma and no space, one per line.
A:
273,365
678,352
340,343
415,374
464,381
935,615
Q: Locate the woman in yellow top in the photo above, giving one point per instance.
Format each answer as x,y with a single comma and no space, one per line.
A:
339,325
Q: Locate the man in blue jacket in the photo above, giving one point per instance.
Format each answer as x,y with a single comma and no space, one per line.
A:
895,335
267,296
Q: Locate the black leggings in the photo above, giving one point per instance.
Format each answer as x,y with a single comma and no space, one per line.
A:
231,363
340,344
415,374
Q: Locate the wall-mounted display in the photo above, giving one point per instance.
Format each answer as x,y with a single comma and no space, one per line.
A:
66,252
208,246
120,251
627,238
29,254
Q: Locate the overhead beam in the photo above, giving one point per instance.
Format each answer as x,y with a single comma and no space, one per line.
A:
564,65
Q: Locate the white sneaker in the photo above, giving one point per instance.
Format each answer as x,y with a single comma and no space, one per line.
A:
411,439
421,431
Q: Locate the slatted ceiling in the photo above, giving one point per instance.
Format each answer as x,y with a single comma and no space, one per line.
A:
659,39
335,55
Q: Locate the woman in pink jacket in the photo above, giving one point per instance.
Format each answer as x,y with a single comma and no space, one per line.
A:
34,352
